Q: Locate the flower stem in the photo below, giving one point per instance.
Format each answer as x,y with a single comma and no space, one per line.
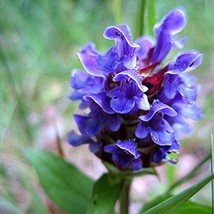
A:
140,19
151,16
124,197
116,8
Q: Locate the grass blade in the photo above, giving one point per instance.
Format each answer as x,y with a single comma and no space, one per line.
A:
174,202
116,8
140,22
151,15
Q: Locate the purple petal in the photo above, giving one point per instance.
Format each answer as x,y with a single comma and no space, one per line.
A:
81,122
84,83
170,85
142,102
101,100
162,133
142,130
95,146
77,140
114,122
158,107
188,93
175,147
193,112
159,155
125,154
174,84
89,58
128,146
133,75
78,79
123,42
90,64
162,47
90,49
121,104
162,152
109,62
177,42
122,37
187,61
146,44
90,125
97,64
136,164
95,124
110,148
162,137
173,22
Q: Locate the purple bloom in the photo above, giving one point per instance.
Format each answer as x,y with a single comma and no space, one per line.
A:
156,126
125,154
162,152
137,110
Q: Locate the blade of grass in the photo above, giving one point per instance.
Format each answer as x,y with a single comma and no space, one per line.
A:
212,169
7,108
116,9
173,203
189,175
151,16
20,106
140,21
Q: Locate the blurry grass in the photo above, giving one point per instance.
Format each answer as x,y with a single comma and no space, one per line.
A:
38,44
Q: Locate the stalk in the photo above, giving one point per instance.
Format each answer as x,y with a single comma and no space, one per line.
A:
140,22
124,197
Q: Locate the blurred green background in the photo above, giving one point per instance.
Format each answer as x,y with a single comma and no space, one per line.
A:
38,44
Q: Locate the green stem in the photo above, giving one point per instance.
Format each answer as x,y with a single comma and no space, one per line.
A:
124,197
116,8
140,19
151,16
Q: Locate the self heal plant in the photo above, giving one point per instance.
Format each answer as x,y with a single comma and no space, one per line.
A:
138,105
137,101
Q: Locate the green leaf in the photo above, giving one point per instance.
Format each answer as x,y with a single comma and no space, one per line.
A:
151,15
116,9
140,19
193,207
173,203
186,208
105,194
62,182
154,202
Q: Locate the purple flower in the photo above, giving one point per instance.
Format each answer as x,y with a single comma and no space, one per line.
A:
156,126
125,154
136,109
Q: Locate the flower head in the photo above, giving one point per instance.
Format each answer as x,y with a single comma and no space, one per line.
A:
138,106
